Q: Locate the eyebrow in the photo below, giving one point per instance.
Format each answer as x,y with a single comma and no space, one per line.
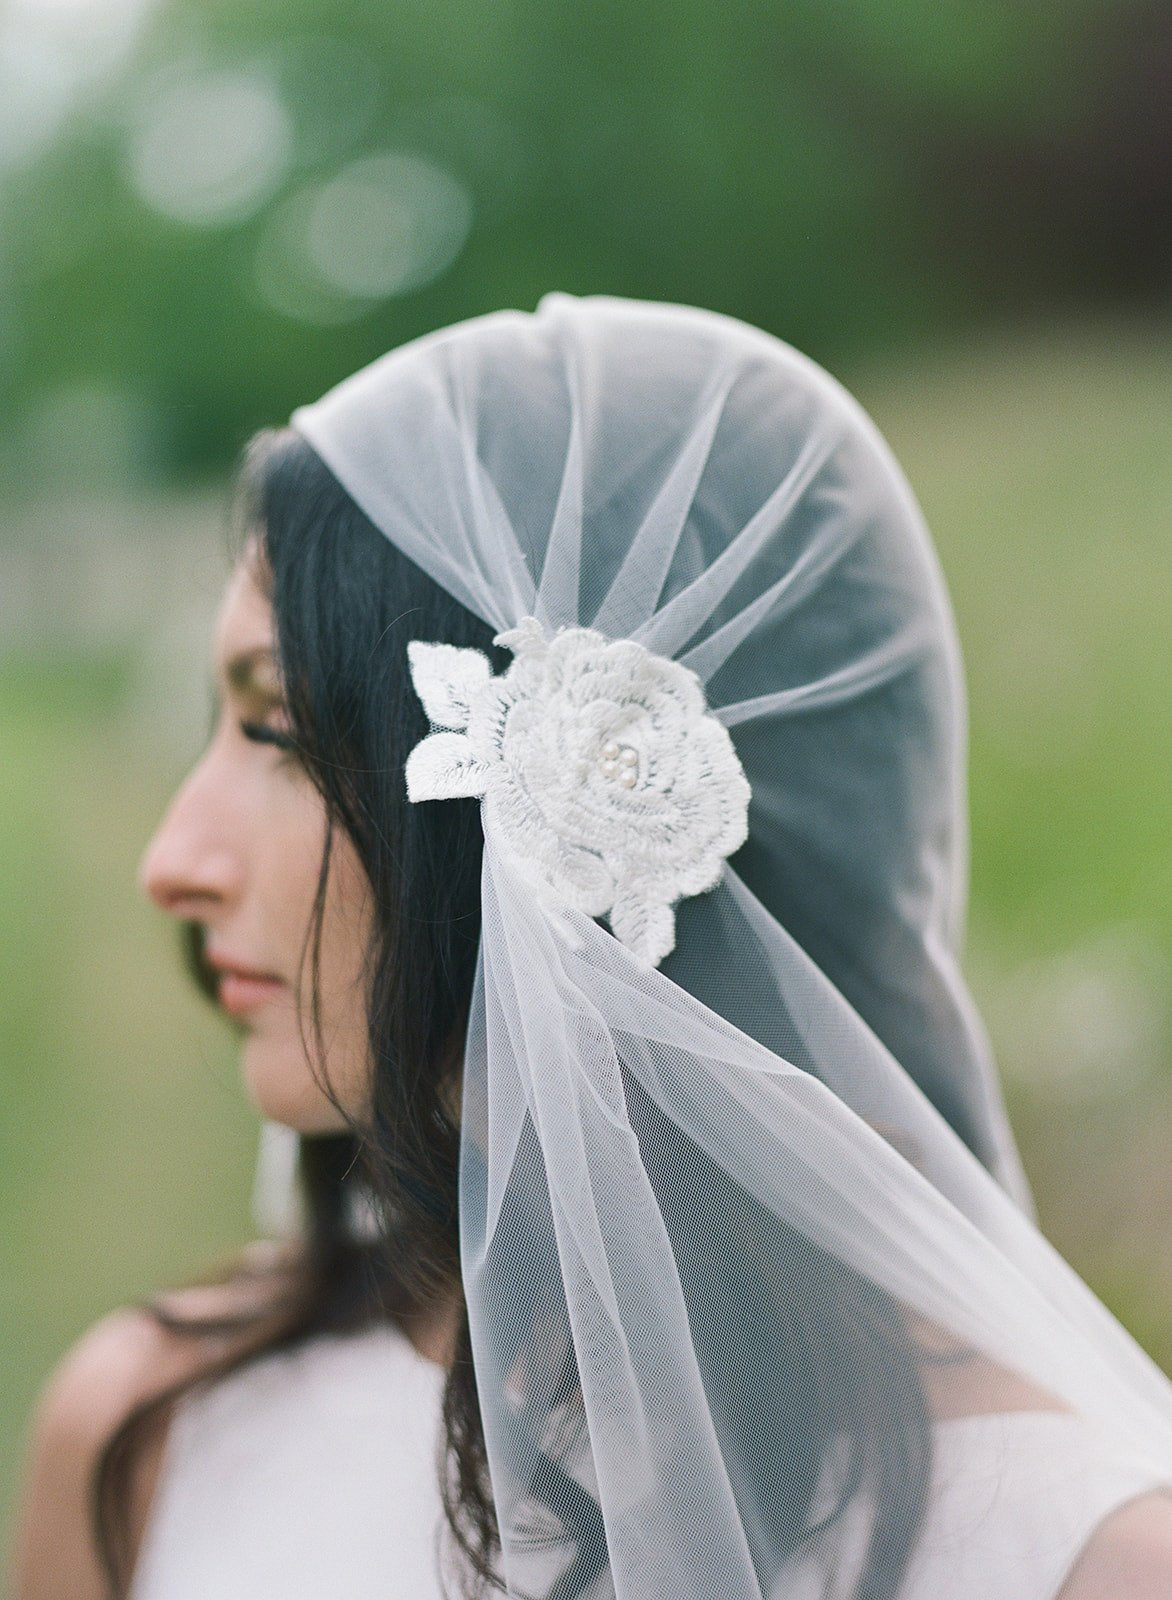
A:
243,672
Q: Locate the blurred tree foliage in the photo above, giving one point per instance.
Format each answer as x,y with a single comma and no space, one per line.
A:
847,173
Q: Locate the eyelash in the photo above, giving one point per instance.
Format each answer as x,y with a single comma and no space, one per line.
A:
261,733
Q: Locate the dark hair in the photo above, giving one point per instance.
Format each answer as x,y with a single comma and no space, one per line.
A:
823,1359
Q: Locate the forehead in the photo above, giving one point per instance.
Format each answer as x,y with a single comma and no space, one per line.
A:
245,616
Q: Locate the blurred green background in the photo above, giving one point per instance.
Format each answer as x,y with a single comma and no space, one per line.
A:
211,211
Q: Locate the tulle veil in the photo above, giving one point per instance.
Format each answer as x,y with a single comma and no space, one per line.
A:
721,1212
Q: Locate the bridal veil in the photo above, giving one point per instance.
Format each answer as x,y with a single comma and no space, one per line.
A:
736,1178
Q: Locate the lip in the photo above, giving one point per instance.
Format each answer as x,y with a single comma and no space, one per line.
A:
242,988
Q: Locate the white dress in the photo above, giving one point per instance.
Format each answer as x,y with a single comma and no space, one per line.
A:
312,1473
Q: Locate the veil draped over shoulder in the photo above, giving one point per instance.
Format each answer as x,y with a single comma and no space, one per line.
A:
737,1190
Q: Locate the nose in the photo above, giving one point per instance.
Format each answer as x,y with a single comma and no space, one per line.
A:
192,866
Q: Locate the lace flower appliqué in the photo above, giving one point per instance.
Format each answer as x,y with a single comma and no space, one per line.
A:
601,771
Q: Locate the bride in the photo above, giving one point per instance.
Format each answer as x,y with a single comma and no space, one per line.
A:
580,852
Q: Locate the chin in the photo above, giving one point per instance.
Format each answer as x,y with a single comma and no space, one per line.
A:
284,1091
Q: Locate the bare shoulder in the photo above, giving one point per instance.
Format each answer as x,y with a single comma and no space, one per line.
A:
121,1361
1129,1556
115,1364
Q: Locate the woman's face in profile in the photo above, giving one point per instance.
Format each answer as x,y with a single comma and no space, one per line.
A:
239,852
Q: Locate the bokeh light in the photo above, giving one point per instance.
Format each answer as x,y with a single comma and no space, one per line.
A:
53,55
385,225
210,147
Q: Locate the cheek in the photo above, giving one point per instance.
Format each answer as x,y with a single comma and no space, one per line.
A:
293,841
346,932
287,1062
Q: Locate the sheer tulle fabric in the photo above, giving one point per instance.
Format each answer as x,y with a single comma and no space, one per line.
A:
723,1220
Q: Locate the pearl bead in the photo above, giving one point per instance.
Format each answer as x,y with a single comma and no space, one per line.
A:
610,749
629,778
609,768
629,757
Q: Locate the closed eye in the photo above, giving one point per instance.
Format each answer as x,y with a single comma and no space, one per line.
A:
262,733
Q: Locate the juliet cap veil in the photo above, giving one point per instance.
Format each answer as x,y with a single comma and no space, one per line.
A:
733,1154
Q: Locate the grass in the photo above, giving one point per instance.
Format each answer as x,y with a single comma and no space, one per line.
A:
1041,460
1043,467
